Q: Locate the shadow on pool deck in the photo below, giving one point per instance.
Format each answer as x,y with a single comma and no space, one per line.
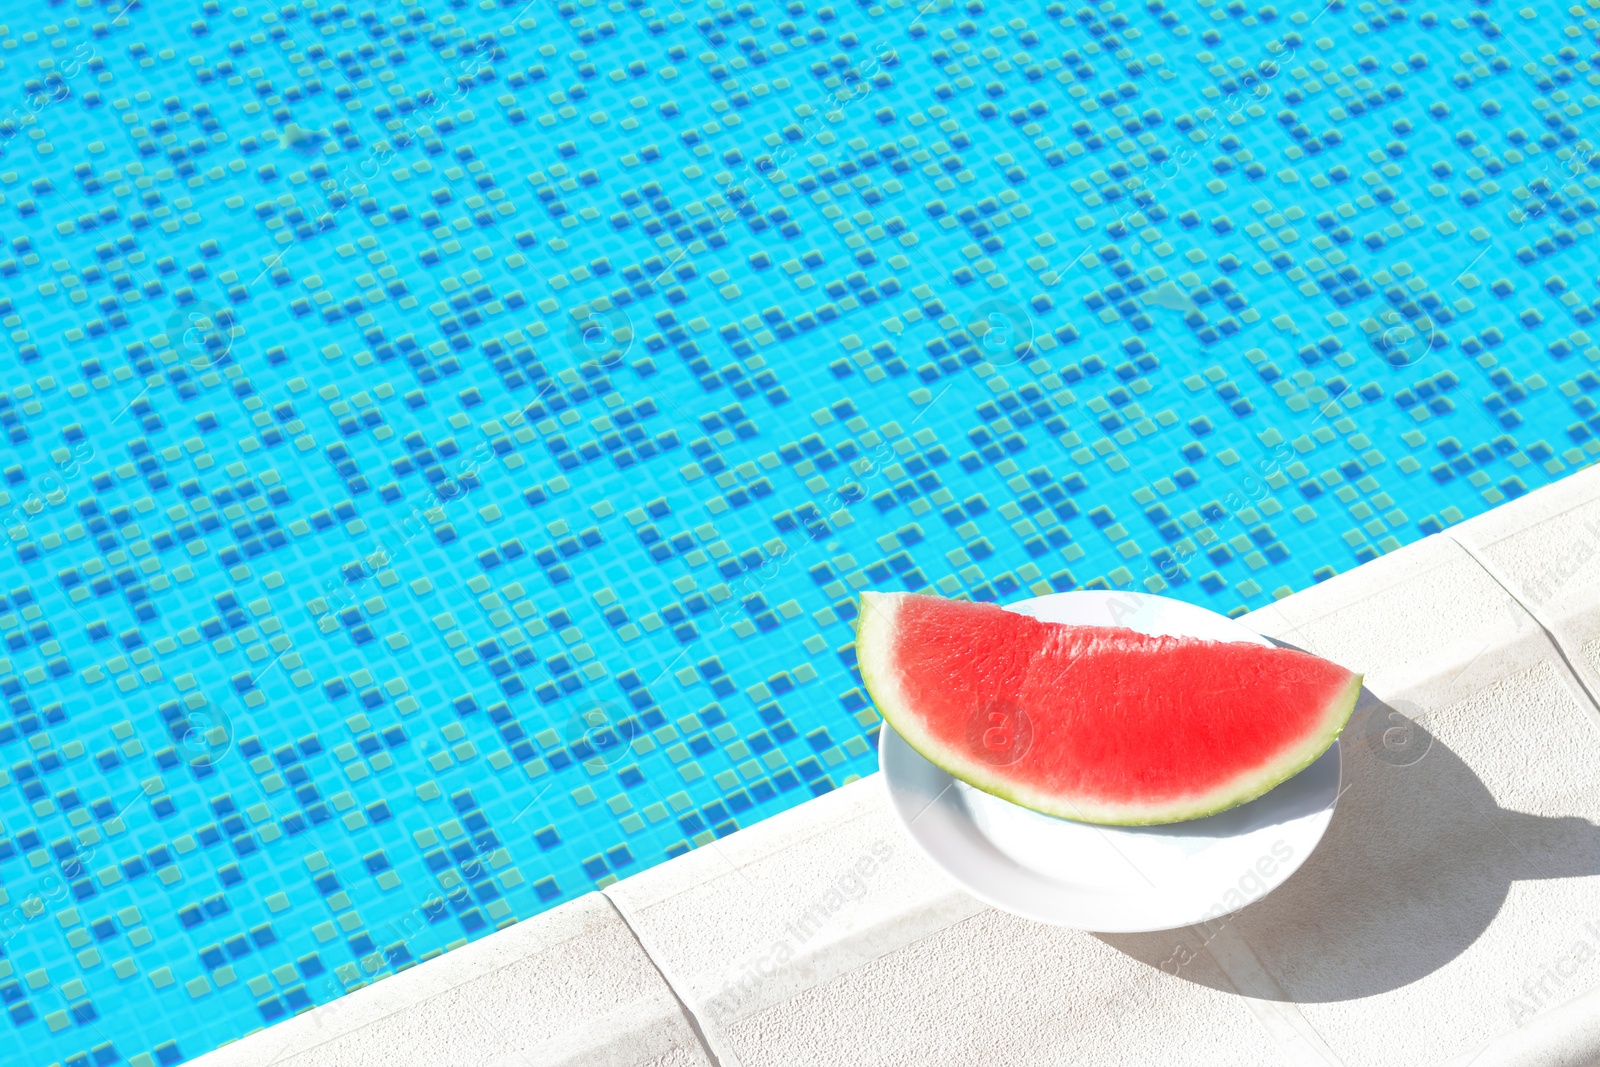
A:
1415,865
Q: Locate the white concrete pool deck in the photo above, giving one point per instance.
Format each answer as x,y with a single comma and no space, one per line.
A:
1451,915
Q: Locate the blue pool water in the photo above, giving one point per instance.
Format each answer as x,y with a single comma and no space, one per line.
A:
443,440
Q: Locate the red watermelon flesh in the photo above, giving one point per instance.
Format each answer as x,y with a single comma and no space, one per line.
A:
1096,723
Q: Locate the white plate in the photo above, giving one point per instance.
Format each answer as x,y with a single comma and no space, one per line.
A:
1112,878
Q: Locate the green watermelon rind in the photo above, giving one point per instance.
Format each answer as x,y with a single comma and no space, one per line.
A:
874,641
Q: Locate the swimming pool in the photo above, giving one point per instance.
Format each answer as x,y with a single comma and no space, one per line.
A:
444,442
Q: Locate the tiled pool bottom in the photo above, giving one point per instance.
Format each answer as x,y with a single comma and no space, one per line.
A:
500,537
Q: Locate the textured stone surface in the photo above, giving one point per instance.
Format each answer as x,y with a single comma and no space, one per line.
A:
1567,1037
1547,543
571,987
995,989
788,904
1545,548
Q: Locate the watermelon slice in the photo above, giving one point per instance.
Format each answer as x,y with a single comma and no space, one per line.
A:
1097,724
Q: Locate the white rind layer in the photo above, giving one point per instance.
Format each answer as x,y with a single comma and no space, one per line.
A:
875,634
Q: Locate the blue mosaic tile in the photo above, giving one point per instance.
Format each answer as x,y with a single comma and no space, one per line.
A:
443,442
